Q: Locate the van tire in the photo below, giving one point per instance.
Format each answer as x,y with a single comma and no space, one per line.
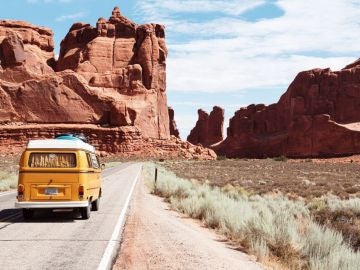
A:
95,205
28,213
85,212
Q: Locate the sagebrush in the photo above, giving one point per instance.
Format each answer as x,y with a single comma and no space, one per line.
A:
8,180
269,226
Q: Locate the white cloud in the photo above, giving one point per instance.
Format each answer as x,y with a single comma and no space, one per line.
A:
228,53
73,16
48,1
228,72
229,7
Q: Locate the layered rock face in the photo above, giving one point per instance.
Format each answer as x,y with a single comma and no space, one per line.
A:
109,80
128,141
318,116
209,128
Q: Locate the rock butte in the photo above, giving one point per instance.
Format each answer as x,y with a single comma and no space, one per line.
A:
209,128
318,116
173,128
108,83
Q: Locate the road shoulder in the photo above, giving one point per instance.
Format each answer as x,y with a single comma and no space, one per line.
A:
158,238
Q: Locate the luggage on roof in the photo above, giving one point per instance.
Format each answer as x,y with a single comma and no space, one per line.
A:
71,136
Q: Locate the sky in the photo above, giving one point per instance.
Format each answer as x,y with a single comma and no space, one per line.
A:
229,53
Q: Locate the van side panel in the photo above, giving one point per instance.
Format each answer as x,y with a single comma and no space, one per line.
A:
90,180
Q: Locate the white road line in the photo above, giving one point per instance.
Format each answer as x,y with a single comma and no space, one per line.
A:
7,193
108,256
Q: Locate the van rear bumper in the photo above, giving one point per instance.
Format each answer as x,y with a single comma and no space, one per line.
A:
55,205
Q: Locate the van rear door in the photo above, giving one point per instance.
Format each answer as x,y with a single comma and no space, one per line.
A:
51,176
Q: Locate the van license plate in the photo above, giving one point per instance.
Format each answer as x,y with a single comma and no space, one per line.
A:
51,191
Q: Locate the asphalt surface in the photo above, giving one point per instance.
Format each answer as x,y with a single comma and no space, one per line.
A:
62,240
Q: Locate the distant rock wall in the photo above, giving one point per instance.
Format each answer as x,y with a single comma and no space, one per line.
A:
209,128
318,116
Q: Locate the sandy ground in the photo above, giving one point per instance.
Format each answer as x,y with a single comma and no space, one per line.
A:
158,238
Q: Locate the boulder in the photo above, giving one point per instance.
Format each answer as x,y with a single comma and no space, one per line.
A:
28,46
12,50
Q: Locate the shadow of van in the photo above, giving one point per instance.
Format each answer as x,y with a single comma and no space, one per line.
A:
13,215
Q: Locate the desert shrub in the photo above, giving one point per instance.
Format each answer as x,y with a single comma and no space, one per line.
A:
7,181
326,250
259,248
280,158
235,191
335,204
341,215
267,226
317,204
112,164
220,157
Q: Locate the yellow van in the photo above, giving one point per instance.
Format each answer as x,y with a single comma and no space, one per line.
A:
59,173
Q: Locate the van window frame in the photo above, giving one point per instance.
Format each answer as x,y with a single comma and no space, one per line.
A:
91,157
88,158
52,152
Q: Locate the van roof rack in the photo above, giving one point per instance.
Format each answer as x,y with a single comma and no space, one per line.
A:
71,136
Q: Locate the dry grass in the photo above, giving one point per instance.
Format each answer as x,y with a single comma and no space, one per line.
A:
328,188
272,226
7,181
8,172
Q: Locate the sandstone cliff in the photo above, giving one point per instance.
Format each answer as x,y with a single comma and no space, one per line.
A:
109,82
318,116
209,128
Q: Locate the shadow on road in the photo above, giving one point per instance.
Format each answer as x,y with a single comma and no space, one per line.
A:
14,215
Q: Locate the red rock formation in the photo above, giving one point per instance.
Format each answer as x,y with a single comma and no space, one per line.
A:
127,141
173,128
24,44
317,117
111,77
209,128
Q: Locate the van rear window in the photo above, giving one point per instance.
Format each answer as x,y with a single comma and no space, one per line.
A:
52,160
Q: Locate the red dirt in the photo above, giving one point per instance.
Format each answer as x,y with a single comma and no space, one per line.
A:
157,238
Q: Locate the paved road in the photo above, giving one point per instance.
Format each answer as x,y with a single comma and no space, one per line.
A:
61,240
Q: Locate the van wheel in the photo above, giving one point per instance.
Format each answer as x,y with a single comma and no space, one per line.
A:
95,205
28,213
85,212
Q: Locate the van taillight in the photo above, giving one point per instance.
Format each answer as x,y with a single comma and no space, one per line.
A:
81,191
21,189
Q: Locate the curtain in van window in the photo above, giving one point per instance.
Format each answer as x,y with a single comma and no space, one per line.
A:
52,160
